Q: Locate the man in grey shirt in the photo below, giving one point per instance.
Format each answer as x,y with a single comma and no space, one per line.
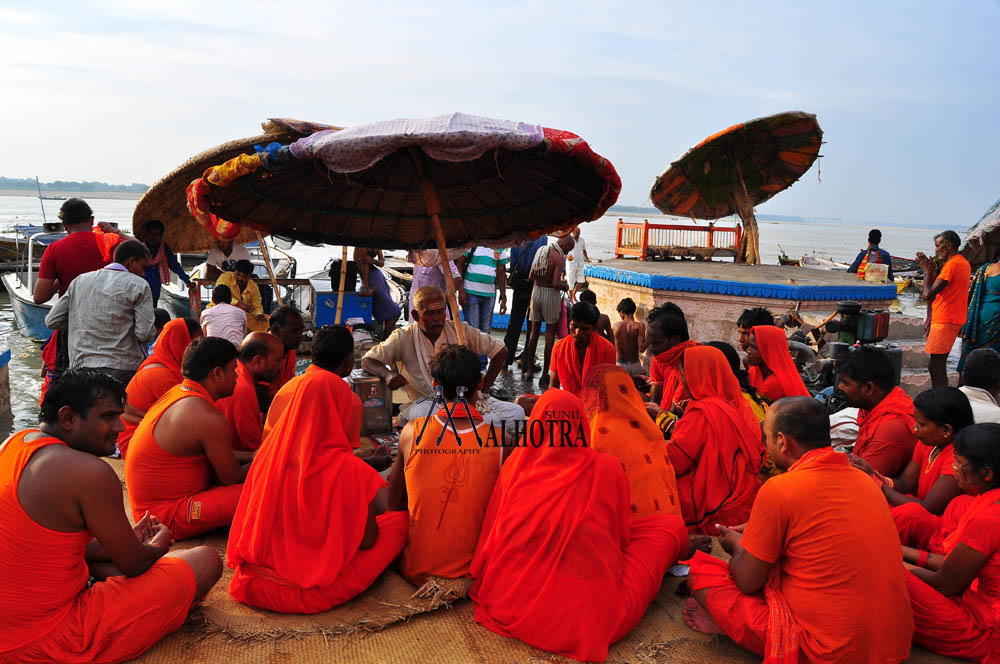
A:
108,314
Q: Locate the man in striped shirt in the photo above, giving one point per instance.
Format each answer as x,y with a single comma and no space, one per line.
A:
485,276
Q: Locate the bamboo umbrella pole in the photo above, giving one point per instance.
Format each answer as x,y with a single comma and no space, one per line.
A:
433,206
270,270
340,289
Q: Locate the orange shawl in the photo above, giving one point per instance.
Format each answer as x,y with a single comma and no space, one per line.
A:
566,360
304,506
895,404
667,362
978,505
716,446
773,346
552,541
169,348
620,426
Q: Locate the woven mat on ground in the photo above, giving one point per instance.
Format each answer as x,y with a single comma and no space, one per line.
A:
388,624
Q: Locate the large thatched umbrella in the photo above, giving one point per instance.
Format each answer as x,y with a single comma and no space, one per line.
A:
982,240
166,200
732,171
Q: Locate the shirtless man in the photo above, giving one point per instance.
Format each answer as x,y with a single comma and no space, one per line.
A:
64,522
546,301
181,465
603,321
630,338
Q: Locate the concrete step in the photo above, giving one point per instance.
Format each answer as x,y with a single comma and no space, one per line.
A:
915,381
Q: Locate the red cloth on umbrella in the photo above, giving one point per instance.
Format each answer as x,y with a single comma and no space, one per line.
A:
566,360
785,380
560,563
304,508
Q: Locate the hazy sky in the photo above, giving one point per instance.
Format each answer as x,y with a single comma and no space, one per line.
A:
907,93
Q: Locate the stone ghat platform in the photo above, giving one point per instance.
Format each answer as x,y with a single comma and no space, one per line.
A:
713,294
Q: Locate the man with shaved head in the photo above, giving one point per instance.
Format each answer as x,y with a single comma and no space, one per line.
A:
817,567
260,361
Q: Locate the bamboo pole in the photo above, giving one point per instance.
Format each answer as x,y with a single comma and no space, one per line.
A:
340,288
433,206
270,270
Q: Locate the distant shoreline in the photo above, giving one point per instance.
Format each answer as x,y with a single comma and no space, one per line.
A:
124,195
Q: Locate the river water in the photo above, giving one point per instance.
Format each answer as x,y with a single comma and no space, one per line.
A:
840,241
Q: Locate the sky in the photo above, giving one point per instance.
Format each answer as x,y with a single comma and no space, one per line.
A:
907,93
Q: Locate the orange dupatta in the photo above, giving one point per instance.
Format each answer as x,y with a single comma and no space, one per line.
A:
669,360
773,346
304,506
566,360
978,505
169,347
620,426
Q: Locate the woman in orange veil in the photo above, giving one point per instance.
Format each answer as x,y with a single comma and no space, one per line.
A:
157,374
620,426
716,446
561,564
778,377
305,537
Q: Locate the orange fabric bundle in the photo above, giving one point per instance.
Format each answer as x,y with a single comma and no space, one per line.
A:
716,445
663,370
620,426
566,360
305,466
157,374
352,426
107,243
784,380
560,563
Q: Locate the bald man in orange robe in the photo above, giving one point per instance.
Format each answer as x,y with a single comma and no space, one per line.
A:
63,523
181,465
816,573
157,374
306,536
260,361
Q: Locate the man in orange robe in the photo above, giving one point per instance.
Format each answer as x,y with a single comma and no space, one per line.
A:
815,574
667,337
63,523
285,322
575,355
947,297
446,494
306,536
260,361
777,376
620,426
715,447
181,464
561,564
885,420
157,374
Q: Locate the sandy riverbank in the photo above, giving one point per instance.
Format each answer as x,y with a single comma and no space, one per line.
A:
125,195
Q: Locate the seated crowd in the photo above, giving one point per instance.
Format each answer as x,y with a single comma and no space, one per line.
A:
566,533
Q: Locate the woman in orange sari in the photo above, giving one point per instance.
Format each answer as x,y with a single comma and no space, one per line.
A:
620,426
561,563
956,597
777,376
716,447
157,374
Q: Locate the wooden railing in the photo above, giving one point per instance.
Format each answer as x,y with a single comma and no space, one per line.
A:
644,240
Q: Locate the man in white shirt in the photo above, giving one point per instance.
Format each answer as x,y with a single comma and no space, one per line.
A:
222,319
981,384
575,261
409,350
109,315
223,256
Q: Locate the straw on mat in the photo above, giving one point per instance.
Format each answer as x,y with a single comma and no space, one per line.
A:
387,624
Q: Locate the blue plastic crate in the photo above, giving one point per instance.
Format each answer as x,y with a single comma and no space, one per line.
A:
355,306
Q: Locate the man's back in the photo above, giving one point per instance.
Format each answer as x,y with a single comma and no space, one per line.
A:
549,277
226,321
68,258
828,528
627,340
110,318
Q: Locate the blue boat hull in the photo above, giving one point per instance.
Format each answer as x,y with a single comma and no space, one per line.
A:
30,317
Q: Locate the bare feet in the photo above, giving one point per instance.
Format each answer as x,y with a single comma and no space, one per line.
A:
698,618
700,543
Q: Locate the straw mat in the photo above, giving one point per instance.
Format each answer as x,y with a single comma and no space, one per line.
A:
388,624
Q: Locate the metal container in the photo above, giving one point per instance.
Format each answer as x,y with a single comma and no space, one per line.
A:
376,402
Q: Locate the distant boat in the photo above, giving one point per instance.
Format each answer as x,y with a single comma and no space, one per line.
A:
818,263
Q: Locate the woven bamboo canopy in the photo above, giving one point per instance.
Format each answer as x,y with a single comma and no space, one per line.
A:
166,200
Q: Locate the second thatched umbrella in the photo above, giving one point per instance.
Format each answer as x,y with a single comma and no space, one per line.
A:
448,181
732,171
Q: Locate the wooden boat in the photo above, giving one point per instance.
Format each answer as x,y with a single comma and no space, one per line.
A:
818,263
906,267
30,317
902,283
785,260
